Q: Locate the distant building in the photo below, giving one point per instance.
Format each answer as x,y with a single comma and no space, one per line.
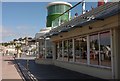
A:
9,50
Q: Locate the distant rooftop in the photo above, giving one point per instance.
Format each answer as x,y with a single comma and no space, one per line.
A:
42,32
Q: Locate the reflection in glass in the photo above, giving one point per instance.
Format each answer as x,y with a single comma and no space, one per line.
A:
81,50
94,49
65,50
100,49
77,50
105,49
70,54
59,50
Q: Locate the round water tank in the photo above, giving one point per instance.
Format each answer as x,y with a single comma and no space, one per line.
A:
55,9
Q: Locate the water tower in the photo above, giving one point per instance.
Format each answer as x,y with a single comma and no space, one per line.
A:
55,9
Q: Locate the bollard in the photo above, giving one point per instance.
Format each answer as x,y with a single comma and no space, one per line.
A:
27,65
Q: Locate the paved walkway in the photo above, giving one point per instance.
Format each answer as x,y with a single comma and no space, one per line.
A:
9,70
43,72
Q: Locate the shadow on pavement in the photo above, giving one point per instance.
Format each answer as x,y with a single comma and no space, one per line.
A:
54,73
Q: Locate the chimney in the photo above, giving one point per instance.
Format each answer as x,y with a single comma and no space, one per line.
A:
100,2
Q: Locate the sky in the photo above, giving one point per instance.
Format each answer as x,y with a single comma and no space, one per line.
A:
0,14
21,19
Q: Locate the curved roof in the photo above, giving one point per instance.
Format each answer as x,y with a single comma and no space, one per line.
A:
59,2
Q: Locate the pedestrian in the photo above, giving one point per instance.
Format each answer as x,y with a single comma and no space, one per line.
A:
76,15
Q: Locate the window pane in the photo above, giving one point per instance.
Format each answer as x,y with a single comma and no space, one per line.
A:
105,49
57,50
77,50
42,48
70,56
81,49
60,50
66,50
48,48
94,49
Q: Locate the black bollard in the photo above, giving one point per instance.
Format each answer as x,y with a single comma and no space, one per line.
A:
27,65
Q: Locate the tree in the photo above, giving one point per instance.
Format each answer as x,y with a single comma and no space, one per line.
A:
15,40
20,39
5,44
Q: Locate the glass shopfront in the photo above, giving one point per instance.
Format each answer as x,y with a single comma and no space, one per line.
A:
99,49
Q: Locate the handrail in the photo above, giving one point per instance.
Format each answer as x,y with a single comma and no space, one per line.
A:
69,9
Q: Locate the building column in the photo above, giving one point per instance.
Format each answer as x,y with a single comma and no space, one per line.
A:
73,49
39,48
69,15
59,21
88,50
116,53
62,49
112,53
37,53
99,62
54,50
58,48
67,50
45,48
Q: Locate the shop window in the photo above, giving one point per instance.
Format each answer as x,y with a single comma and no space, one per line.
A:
57,50
105,49
65,50
70,54
49,47
60,50
94,49
100,49
81,50
77,50
41,49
